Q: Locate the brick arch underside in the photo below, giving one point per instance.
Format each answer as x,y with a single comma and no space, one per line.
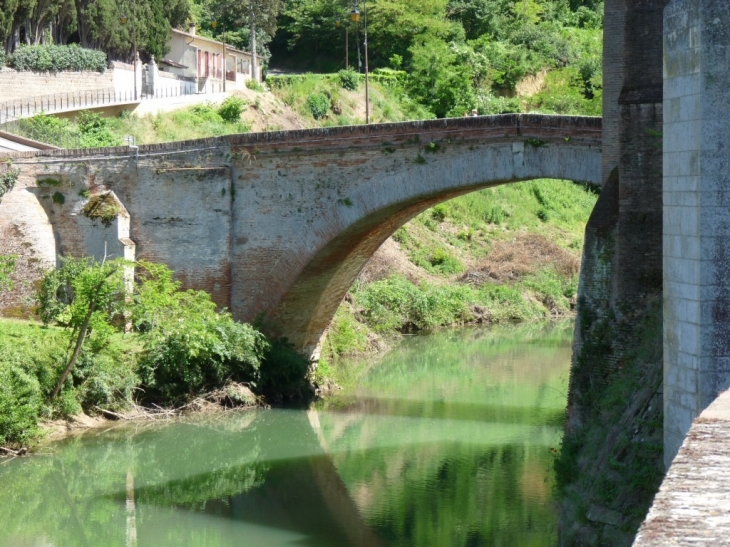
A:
309,305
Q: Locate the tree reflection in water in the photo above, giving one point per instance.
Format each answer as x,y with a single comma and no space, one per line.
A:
446,442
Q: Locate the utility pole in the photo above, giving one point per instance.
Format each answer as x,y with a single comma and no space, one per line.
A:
252,15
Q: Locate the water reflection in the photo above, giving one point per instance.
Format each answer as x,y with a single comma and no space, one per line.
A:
445,442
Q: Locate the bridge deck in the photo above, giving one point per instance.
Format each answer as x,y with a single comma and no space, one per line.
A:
693,506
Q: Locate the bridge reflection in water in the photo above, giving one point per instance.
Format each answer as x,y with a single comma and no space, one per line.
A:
444,444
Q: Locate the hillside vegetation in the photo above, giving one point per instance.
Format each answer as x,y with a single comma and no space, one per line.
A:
504,254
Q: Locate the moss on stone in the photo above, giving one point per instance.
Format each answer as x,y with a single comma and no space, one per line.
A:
103,207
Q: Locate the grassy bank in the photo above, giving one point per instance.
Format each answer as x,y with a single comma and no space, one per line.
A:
103,349
504,254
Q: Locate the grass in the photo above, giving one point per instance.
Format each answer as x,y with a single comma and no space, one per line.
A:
388,103
195,122
504,254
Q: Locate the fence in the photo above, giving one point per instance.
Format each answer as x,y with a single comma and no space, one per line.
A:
54,135
58,102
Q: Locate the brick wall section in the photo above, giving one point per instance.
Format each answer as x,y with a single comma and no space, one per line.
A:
23,85
624,261
614,21
282,222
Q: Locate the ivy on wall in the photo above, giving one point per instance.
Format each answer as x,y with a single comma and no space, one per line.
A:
8,178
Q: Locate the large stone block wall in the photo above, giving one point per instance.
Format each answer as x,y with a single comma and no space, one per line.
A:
23,85
696,212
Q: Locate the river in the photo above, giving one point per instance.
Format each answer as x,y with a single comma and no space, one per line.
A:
447,440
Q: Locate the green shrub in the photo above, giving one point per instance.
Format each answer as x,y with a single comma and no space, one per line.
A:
439,212
105,377
255,85
96,132
283,371
231,109
20,404
397,304
318,104
443,262
54,58
189,347
2,58
349,79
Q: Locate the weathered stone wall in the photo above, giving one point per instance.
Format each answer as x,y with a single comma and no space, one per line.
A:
281,223
621,284
614,21
23,85
27,234
696,219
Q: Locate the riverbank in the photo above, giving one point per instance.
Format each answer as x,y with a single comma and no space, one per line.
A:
113,379
445,441
501,255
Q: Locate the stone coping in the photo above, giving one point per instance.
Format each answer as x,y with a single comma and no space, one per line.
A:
692,506
509,126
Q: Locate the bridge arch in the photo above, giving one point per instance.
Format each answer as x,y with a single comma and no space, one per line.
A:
281,223
359,191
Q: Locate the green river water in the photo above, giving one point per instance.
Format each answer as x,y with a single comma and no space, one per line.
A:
444,441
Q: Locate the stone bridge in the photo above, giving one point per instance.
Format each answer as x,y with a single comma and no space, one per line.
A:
281,223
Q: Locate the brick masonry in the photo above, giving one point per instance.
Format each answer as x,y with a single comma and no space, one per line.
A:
281,223
23,85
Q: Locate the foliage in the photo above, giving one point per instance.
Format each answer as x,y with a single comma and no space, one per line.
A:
319,105
2,58
189,347
20,402
7,267
231,109
255,85
92,130
349,79
457,55
8,178
86,297
96,132
53,58
94,24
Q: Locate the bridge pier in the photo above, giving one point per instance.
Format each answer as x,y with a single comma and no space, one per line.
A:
696,212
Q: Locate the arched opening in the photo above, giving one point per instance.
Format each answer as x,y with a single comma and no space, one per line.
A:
537,239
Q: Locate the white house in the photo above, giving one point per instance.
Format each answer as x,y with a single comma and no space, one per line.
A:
202,58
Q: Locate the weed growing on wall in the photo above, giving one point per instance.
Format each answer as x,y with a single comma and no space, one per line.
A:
8,178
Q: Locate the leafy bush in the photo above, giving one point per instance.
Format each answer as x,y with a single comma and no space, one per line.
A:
255,85
231,109
96,131
318,104
443,262
349,79
20,404
2,58
397,304
8,178
189,347
54,58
